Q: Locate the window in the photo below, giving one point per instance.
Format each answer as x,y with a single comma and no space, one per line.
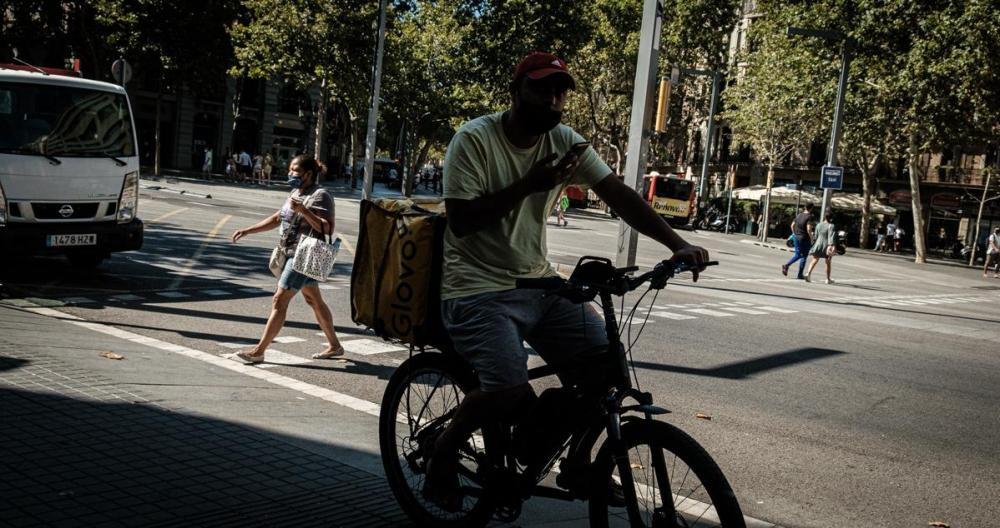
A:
63,121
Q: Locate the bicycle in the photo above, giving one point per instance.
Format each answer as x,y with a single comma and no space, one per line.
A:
645,473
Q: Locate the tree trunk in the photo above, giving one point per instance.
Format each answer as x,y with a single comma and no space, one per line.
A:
919,243
979,218
351,132
156,127
767,203
321,122
867,186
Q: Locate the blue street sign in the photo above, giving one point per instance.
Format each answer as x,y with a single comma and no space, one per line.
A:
832,178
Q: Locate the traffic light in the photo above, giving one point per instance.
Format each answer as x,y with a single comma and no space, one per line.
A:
663,105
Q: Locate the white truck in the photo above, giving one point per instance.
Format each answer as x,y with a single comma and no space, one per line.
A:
69,167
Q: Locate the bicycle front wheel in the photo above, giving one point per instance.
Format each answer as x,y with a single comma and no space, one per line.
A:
417,405
676,482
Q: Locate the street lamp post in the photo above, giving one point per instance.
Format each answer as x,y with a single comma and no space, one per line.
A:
373,109
846,54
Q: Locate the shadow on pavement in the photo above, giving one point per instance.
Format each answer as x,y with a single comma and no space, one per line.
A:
88,462
748,368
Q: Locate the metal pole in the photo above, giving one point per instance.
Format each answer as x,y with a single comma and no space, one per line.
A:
729,208
645,77
837,118
708,139
373,109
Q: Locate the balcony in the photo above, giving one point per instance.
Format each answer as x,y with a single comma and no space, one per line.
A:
956,175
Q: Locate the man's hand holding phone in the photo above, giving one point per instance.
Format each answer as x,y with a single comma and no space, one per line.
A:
544,177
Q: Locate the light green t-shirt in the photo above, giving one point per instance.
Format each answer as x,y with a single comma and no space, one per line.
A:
481,161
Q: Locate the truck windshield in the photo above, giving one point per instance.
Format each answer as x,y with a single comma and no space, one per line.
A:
40,119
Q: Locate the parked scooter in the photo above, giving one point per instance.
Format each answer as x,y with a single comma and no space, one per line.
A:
715,220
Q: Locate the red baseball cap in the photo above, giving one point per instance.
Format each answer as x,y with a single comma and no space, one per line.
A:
539,64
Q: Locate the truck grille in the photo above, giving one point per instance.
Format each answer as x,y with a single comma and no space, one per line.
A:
55,211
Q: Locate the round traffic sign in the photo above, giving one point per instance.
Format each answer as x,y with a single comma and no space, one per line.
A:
121,71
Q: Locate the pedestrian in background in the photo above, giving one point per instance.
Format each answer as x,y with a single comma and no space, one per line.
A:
563,206
898,239
880,237
268,168
206,166
802,228
890,237
825,246
258,169
244,165
308,211
993,253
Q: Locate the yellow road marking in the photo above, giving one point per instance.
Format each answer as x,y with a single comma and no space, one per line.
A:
345,244
197,254
168,215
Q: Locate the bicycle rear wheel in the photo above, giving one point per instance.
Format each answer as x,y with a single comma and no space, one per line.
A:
665,463
417,405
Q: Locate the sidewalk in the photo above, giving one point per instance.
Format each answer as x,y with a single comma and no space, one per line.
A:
171,436
160,439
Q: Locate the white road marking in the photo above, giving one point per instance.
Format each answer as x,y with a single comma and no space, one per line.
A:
226,344
215,293
172,294
328,287
745,311
78,300
672,315
288,339
257,291
368,347
276,357
713,313
776,309
126,297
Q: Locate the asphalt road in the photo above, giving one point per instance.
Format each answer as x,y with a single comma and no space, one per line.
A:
868,402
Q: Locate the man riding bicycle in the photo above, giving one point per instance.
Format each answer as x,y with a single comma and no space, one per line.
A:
499,185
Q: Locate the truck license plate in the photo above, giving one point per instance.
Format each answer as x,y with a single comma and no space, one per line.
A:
89,239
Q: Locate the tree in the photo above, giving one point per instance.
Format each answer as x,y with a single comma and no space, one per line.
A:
168,41
428,90
308,43
779,104
941,77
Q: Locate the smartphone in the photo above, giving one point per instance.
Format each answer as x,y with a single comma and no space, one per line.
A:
576,150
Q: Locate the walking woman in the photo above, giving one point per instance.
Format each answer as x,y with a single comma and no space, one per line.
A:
307,211
825,246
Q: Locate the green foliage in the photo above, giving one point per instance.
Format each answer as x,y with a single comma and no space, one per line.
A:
172,40
306,42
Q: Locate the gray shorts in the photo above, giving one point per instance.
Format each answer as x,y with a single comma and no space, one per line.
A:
489,331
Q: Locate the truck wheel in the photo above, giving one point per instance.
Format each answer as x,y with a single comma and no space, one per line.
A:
85,260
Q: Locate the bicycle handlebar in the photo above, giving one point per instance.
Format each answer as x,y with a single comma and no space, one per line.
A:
617,281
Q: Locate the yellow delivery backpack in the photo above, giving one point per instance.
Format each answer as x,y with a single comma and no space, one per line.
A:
396,282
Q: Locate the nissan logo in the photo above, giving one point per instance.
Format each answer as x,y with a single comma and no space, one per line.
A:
66,211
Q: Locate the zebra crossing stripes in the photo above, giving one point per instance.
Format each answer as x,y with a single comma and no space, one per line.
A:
747,311
671,315
777,310
216,293
288,339
172,294
712,313
126,297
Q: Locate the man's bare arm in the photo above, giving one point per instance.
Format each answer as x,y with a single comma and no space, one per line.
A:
637,213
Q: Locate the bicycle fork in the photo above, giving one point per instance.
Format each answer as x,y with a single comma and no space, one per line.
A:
663,516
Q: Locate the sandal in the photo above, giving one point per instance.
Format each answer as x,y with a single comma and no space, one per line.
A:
247,357
329,354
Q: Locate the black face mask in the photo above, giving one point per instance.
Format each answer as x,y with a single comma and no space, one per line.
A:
538,118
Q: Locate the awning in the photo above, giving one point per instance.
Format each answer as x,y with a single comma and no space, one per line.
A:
853,202
783,195
779,195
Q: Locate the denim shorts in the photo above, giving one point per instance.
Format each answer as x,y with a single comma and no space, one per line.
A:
489,330
293,280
